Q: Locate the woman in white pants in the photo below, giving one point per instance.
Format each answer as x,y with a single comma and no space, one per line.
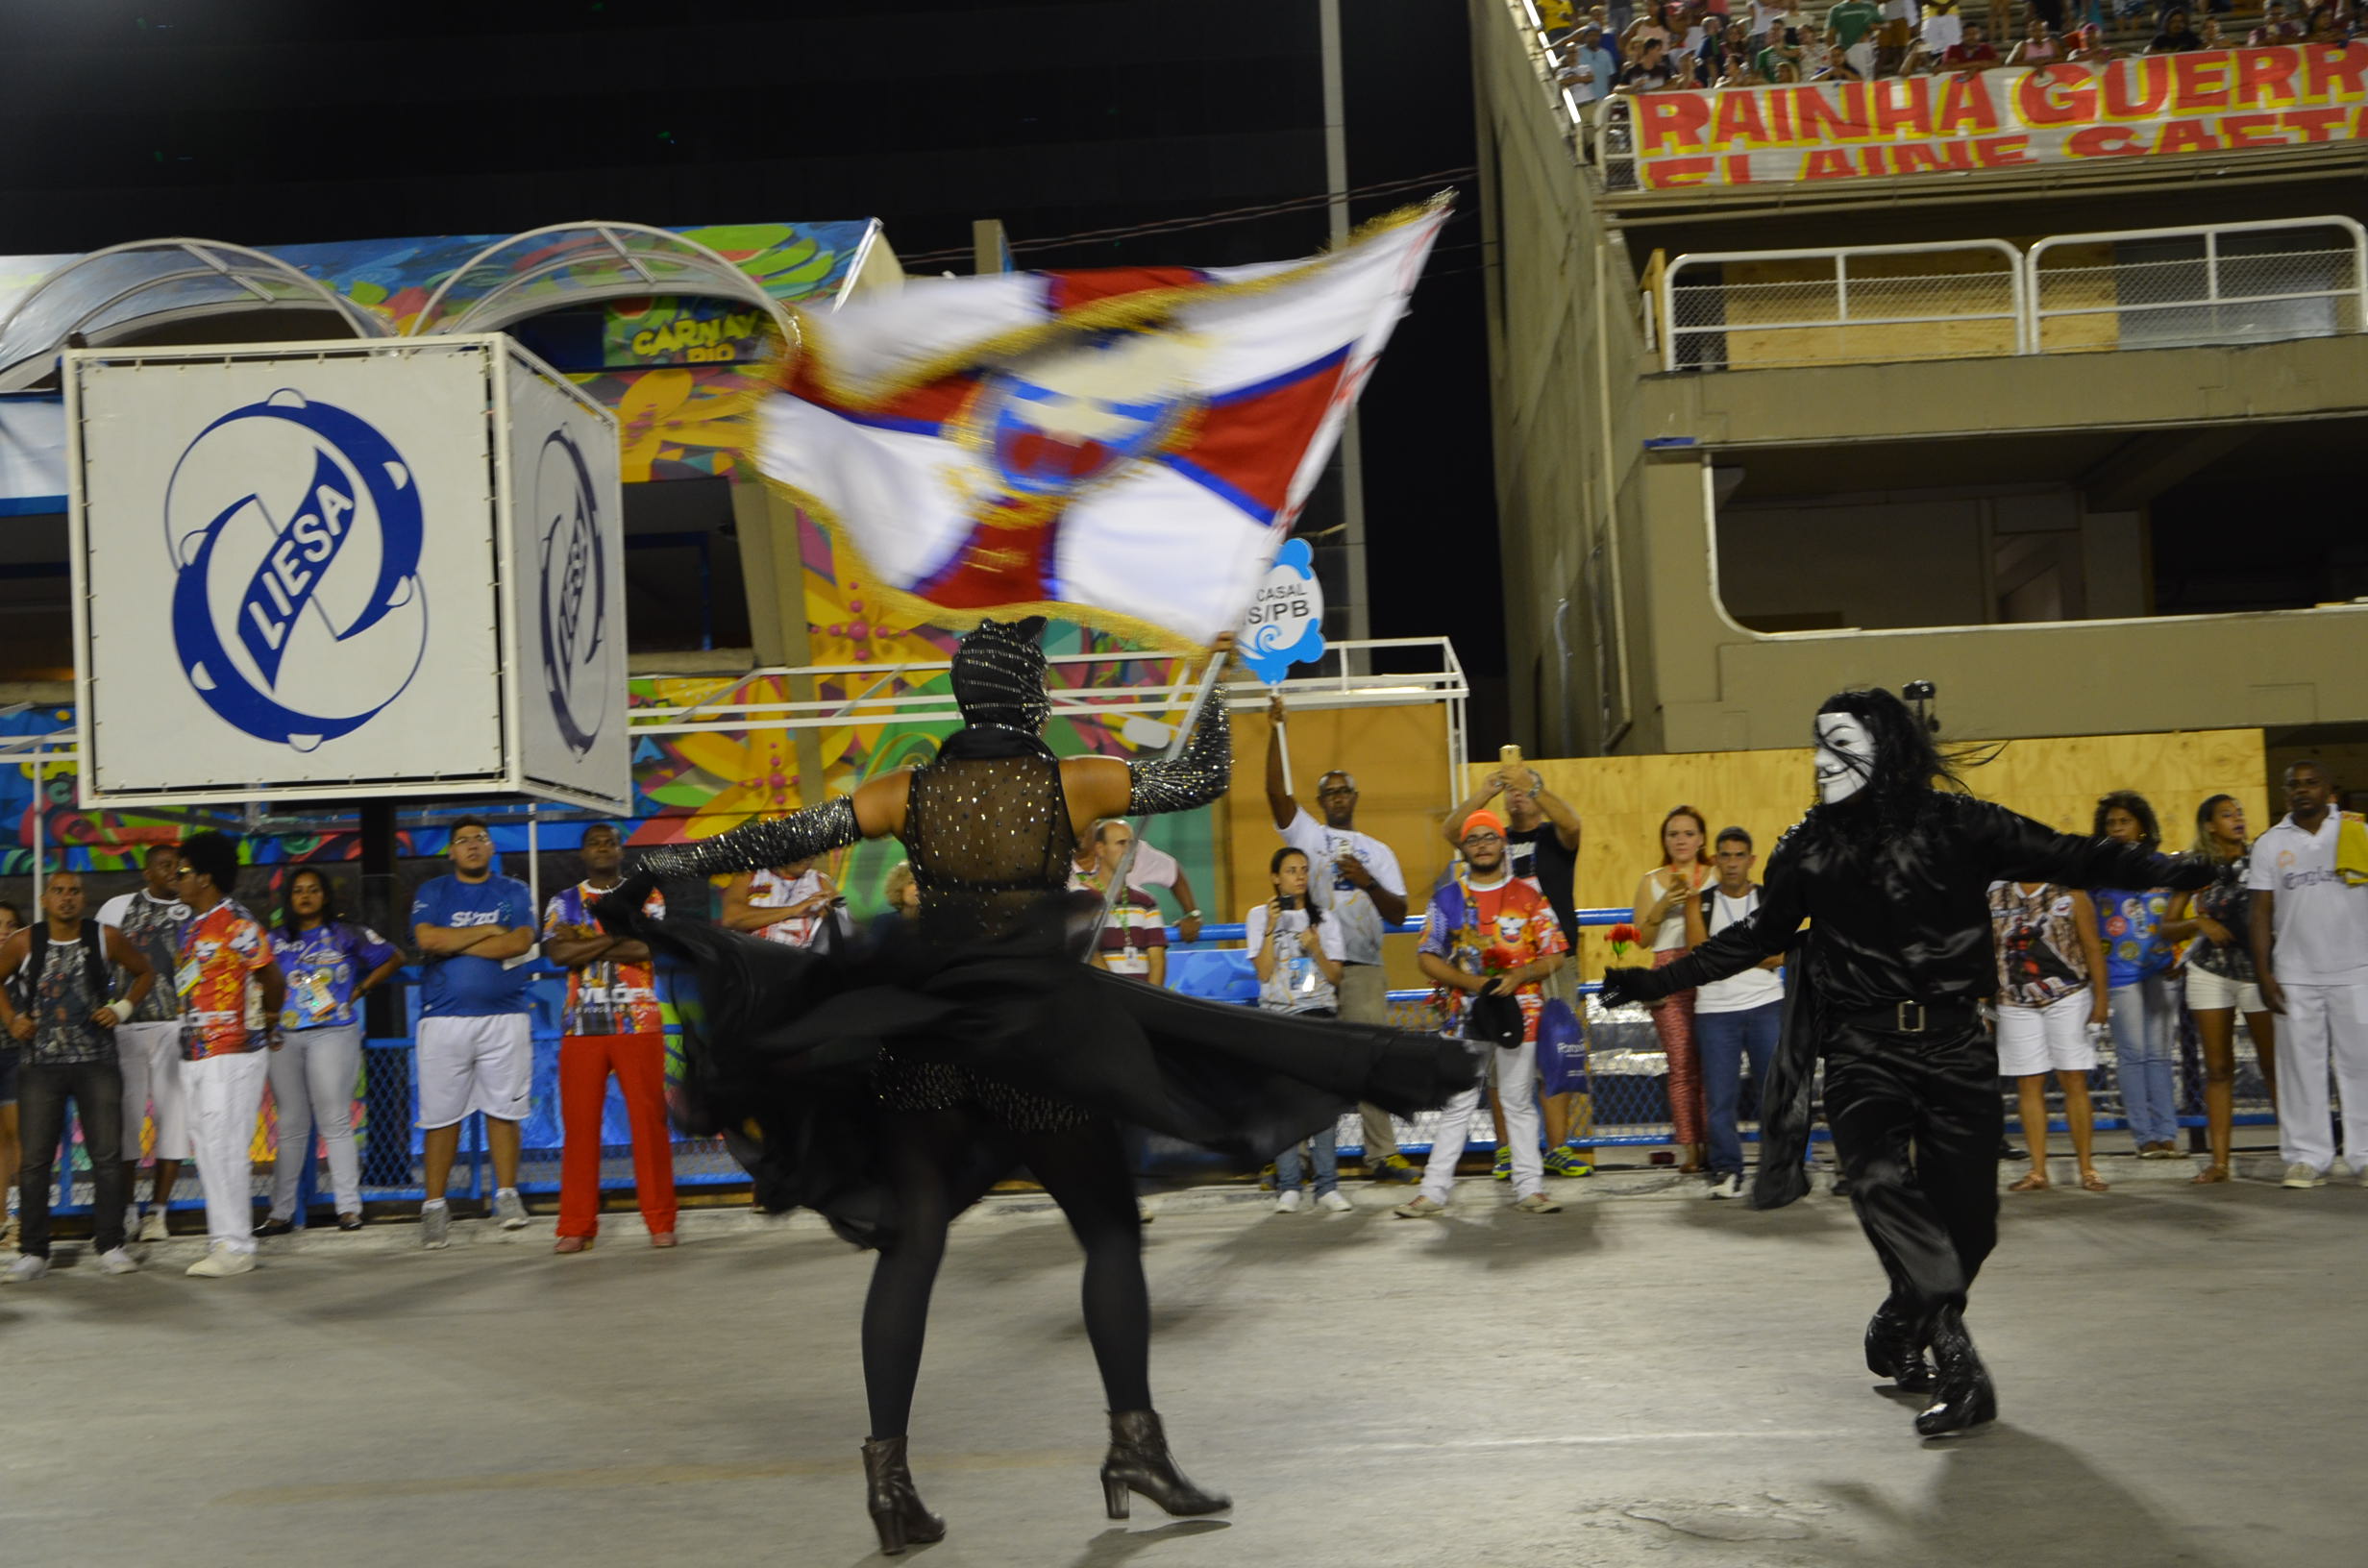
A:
330,963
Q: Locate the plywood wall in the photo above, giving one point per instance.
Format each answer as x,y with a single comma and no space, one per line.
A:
1622,800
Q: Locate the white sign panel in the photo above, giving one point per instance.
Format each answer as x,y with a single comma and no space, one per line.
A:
567,524
294,572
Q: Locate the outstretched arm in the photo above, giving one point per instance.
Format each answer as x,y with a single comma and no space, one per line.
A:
2023,850
1193,778
875,811
1783,907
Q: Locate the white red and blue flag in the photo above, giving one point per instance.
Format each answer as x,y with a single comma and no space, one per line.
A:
1127,447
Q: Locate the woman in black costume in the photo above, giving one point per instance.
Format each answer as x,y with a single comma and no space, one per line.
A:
890,1089
1886,985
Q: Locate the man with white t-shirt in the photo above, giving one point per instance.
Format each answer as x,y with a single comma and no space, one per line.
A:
148,1043
2310,950
1354,879
1736,1018
790,904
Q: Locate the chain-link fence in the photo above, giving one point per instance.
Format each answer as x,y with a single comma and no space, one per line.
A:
1774,308
2176,288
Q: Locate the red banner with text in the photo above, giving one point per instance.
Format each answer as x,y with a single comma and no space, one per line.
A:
2153,106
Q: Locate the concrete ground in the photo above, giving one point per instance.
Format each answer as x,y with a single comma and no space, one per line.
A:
1646,1377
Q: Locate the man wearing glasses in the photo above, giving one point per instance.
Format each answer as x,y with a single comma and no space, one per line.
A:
475,1053
1354,879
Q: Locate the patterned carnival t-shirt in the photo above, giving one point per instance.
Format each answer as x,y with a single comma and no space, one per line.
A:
153,925
2129,923
323,966
222,1011
604,997
1487,930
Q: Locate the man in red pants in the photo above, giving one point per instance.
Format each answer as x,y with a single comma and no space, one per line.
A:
611,1024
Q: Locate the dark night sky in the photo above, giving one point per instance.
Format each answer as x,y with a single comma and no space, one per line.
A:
266,122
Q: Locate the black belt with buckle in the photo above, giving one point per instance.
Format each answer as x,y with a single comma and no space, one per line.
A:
1947,1018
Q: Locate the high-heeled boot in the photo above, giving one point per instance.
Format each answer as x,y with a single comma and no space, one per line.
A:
1966,1398
1895,1350
1138,1462
896,1506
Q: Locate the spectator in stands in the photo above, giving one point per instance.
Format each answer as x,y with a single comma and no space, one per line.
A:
1783,48
1899,19
1651,72
2221,982
2037,46
330,964
1652,24
1660,916
1740,72
609,1023
1555,18
2311,955
1766,17
1588,72
2277,26
1297,955
1708,56
2325,24
1944,28
1541,847
2176,36
1151,867
1488,942
902,892
475,929
60,1013
1851,24
1134,938
1972,57
1597,18
2049,958
791,904
2089,48
1736,1018
148,1043
2137,963
1354,879
227,974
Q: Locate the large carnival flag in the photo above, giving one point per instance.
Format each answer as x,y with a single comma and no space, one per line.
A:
1125,447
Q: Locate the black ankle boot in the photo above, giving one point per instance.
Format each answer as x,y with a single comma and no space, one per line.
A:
896,1507
1895,1350
1138,1462
1966,1398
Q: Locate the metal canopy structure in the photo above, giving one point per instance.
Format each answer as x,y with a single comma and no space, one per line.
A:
125,289
571,263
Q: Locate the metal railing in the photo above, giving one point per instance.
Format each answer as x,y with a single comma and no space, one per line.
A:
2221,282
2137,288
1849,305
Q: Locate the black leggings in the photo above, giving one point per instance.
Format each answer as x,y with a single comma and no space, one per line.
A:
932,1155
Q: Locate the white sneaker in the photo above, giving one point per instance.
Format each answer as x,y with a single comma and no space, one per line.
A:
2299,1175
1332,1203
131,1222
435,1225
118,1262
220,1262
1728,1186
1421,1206
1291,1202
152,1228
510,1209
1537,1203
27,1268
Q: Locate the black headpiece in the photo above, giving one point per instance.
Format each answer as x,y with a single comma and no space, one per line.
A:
999,675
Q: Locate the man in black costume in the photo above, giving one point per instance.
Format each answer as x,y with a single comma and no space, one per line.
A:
1886,985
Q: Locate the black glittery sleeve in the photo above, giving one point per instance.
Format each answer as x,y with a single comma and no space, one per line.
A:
751,846
1197,778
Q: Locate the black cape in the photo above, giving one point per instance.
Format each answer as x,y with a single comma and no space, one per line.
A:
779,1043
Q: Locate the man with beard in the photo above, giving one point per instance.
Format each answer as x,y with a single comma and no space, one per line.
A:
1894,874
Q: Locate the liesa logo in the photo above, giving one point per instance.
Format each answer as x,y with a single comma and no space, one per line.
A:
295,531
574,592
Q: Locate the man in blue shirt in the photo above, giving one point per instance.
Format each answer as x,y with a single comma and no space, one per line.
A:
474,929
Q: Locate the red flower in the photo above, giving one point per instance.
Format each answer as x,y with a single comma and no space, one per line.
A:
1622,935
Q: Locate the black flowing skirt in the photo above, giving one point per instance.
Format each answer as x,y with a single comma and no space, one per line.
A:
782,1048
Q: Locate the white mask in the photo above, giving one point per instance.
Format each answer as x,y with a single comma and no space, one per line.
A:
1845,756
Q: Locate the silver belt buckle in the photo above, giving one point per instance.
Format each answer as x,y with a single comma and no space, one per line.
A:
1901,1013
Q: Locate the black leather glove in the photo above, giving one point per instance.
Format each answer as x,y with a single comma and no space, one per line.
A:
1623,986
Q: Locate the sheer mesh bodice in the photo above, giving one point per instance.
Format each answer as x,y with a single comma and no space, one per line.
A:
989,837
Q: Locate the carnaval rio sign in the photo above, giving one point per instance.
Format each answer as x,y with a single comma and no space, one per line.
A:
2145,106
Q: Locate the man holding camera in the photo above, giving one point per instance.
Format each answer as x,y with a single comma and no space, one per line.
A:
1489,941
1353,877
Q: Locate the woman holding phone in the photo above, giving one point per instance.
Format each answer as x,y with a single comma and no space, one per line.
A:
1299,956
1660,912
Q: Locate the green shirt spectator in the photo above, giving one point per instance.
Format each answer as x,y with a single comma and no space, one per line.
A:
1851,20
